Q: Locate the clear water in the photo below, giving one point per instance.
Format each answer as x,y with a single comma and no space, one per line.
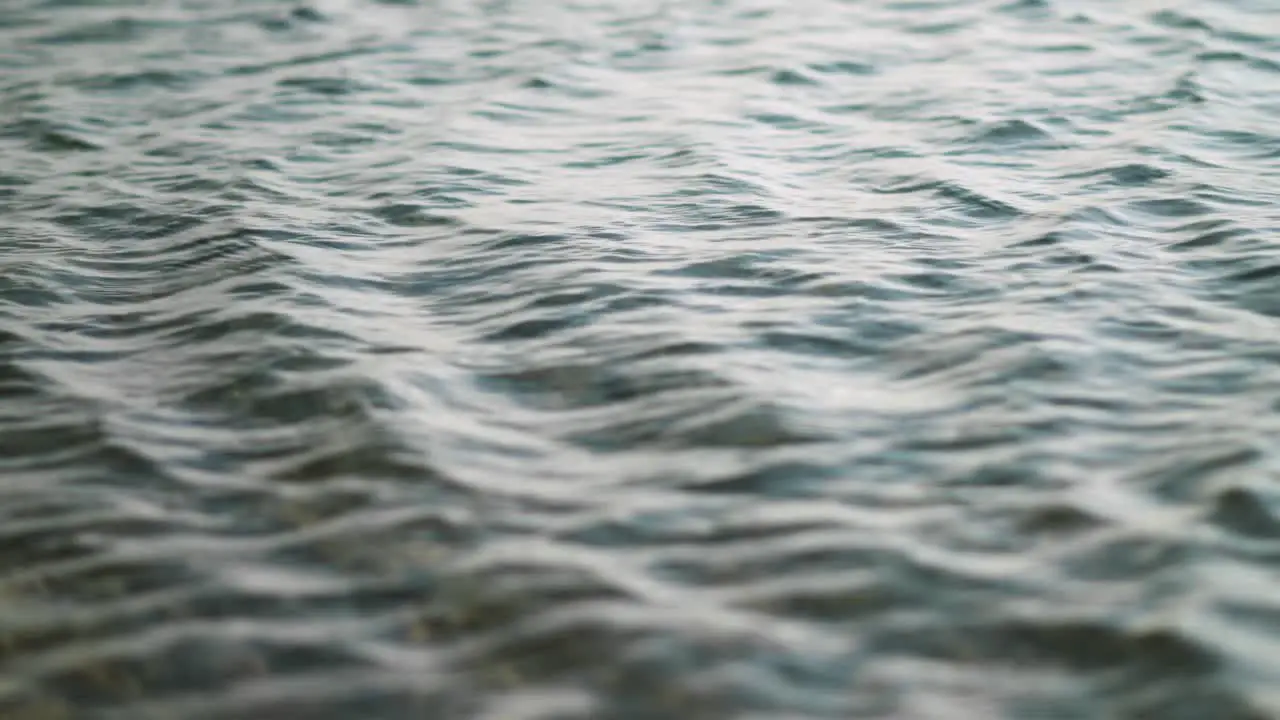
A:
640,359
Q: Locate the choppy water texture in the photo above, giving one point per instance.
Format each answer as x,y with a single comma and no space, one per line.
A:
611,359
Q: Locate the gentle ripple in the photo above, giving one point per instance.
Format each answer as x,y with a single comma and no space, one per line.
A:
651,359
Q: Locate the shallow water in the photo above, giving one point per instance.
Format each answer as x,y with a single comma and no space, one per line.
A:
651,359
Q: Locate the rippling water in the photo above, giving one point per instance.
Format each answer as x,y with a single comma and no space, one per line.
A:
651,359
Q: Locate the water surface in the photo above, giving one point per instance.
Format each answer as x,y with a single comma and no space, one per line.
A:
650,359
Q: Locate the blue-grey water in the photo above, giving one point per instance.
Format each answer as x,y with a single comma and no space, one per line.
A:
632,359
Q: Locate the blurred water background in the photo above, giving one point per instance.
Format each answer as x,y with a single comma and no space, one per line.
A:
617,360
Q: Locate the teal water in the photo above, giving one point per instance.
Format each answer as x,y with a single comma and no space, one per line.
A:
745,359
